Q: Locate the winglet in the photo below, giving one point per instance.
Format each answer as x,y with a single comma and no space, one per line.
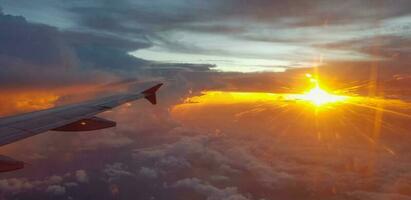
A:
150,94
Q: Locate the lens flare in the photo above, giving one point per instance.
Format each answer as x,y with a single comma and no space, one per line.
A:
320,97
317,96
336,118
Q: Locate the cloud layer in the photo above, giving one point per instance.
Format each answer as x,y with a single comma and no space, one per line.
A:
234,152
257,35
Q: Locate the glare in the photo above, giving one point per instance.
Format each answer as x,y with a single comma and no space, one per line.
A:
327,113
320,97
316,96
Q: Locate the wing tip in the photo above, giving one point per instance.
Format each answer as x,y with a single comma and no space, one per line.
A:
150,94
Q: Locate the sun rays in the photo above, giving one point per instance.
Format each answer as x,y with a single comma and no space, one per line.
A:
317,113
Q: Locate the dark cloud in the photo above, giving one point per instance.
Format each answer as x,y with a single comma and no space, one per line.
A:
314,13
390,47
37,54
279,23
143,16
40,45
40,55
147,15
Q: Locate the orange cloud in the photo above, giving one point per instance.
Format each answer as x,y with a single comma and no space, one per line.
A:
32,99
13,102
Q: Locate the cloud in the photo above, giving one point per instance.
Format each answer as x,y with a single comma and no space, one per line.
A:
173,162
115,171
15,185
55,179
278,34
38,58
243,163
377,196
81,176
70,184
212,193
190,153
181,13
180,154
32,48
56,190
64,57
40,45
54,184
254,155
105,139
147,172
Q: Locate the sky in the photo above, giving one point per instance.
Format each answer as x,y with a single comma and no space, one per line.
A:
201,141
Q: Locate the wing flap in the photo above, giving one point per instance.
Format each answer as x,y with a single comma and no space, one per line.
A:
87,124
9,164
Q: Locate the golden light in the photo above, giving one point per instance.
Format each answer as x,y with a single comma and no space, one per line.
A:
336,118
320,97
15,102
317,95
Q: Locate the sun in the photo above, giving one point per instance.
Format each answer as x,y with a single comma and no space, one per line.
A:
320,97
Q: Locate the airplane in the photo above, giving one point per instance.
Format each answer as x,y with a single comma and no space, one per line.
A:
70,118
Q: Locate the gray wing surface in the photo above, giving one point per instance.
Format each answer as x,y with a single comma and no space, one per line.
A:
22,126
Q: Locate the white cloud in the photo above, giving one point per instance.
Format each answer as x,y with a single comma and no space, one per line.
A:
225,155
107,138
15,185
55,179
81,176
70,184
219,178
147,172
56,189
212,192
174,162
54,184
377,196
115,171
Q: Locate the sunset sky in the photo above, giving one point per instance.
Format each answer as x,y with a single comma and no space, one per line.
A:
263,99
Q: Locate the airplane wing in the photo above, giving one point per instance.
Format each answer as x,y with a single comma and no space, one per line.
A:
76,117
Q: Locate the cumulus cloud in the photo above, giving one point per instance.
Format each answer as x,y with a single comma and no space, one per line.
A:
376,196
56,189
15,185
81,176
212,193
32,48
70,184
116,171
190,152
104,139
55,184
180,154
147,172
